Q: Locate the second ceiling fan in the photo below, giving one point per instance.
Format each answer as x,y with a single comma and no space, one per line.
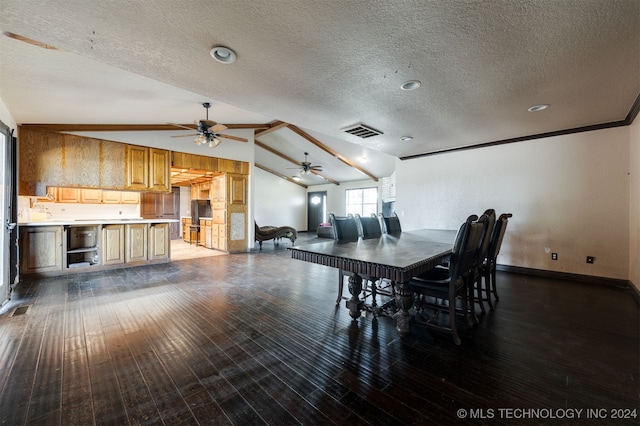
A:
208,131
306,167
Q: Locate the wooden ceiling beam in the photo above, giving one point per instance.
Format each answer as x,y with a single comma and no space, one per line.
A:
273,172
297,163
127,127
330,151
276,125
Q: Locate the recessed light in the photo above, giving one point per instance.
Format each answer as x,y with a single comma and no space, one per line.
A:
410,85
223,54
537,108
406,138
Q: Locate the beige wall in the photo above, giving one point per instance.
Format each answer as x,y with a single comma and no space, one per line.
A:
568,194
634,205
277,202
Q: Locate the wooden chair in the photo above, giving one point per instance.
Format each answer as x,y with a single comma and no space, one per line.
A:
488,271
439,289
480,258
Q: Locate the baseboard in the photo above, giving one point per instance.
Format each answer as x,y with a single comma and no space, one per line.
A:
614,282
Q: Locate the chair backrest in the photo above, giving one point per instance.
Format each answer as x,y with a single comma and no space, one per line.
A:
391,224
368,227
466,246
344,228
486,239
497,236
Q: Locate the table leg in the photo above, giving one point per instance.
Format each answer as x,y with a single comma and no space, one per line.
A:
355,305
404,301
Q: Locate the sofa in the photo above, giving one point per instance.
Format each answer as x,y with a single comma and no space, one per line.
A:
265,233
325,230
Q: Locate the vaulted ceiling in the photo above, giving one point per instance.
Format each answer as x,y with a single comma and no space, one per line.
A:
310,69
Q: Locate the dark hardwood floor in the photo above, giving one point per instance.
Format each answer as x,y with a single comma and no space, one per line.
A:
256,339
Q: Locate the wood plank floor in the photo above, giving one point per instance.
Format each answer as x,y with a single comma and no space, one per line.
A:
256,339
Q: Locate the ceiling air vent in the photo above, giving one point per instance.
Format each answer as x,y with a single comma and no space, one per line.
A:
362,131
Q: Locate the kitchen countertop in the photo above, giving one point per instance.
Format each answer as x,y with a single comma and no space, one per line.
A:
80,222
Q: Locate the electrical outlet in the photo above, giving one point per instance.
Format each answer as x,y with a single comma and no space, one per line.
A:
554,256
590,259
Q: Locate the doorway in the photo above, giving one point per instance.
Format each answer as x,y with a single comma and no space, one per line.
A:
316,209
8,215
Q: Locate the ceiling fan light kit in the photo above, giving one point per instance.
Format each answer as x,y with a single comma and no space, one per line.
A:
208,131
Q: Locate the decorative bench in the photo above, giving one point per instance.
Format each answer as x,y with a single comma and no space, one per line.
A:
264,233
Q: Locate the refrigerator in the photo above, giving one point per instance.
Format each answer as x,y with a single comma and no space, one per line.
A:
200,208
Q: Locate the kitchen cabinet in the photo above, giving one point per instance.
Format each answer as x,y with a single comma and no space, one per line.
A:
111,197
82,246
186,223
159,241
68,195
206,239
129,197
91,196
113,244
157,205
136,236
40,249
148,169
229,212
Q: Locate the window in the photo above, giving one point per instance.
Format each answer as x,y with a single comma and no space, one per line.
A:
363,201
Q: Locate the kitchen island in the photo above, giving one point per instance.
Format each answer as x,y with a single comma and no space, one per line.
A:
57,247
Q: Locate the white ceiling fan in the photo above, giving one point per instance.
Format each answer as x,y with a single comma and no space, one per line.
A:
208,131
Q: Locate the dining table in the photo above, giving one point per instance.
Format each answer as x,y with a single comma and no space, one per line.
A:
396,257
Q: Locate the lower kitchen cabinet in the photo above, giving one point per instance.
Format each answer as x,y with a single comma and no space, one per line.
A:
40,249
137,237
159,241
113,244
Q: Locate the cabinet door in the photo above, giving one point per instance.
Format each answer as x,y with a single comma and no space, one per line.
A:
111,197
91,196
151,205
68,195
130,197
159,174
137,159
136,241
112,244
41,249
159,241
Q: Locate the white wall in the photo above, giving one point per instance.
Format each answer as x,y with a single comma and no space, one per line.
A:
336,194
6,117
634,204
277,202
568,194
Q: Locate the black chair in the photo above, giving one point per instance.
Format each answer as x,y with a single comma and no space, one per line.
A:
391,224
368,227
439,288
345,229
480,259
488,285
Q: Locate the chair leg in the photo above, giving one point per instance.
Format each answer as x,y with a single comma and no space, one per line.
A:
487,289
452,315
477,293
493,283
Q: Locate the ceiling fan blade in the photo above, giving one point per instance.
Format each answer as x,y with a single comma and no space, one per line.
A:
181,126
235,138
316,168
217,128
183,136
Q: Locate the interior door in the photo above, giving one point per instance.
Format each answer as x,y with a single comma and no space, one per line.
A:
316,209
8,215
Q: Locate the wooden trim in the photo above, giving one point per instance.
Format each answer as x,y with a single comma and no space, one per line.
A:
287,178
633,113
590,279
127,127
276,125
325,148
292,160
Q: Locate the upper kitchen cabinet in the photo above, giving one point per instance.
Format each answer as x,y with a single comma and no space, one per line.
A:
148,169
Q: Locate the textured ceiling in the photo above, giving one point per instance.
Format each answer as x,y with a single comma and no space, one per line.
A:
326,65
